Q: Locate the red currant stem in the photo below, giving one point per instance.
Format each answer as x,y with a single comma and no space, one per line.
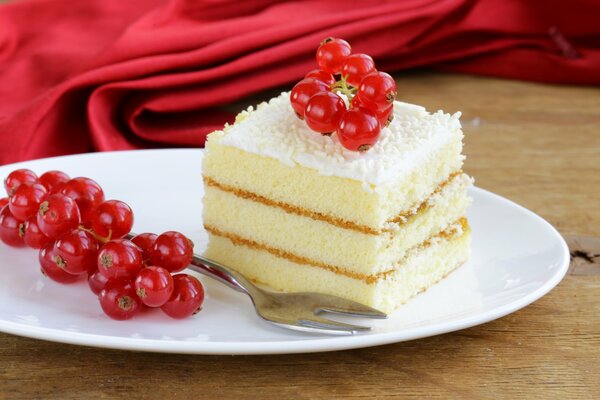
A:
99,238
343,87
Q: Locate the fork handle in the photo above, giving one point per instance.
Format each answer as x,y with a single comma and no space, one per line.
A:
221,273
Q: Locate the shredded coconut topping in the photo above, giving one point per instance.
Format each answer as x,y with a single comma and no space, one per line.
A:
273,130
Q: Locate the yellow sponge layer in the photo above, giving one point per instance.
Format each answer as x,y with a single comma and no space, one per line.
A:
341,198
324,243
421,268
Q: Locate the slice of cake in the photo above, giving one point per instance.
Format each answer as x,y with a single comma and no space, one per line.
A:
294,210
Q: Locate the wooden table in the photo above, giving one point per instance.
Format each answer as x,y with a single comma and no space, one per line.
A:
538,145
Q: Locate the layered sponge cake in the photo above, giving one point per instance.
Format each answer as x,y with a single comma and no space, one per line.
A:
292,209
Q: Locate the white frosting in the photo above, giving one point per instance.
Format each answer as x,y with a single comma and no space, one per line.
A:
273,130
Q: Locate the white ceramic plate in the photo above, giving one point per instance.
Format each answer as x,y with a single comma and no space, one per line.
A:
517,258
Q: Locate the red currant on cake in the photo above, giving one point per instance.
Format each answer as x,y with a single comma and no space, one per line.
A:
386,115
3,202
323,112
322,76
357,101
377,90
332,53
303,91
17,178
356,67
186,299
358,129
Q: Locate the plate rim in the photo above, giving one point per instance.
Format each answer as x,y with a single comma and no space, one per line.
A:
305,345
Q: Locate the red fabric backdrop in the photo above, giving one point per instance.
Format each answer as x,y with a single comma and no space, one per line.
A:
78,76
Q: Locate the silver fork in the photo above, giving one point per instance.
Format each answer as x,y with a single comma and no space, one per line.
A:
297,311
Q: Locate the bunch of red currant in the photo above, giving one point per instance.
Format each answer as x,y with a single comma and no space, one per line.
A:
370,95
78,233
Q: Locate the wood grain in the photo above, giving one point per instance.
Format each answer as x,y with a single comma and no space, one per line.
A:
538,145
585,255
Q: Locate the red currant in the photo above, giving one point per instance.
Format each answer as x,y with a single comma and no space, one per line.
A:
359,129
385,116
356,67
154,286
54,180
87,194
32,235
323,112
97,281
58,215
76,252
11,229
17,178
112,219
3,202
377,90
322,76
173,251
26,200
50,268
355,102
331,54
118,300
145,241
119,259
303,91
187,297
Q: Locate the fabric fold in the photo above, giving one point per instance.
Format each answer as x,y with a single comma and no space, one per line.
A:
113,75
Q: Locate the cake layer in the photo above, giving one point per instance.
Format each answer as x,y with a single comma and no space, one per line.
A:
272,154
422,267
295,210
320,241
